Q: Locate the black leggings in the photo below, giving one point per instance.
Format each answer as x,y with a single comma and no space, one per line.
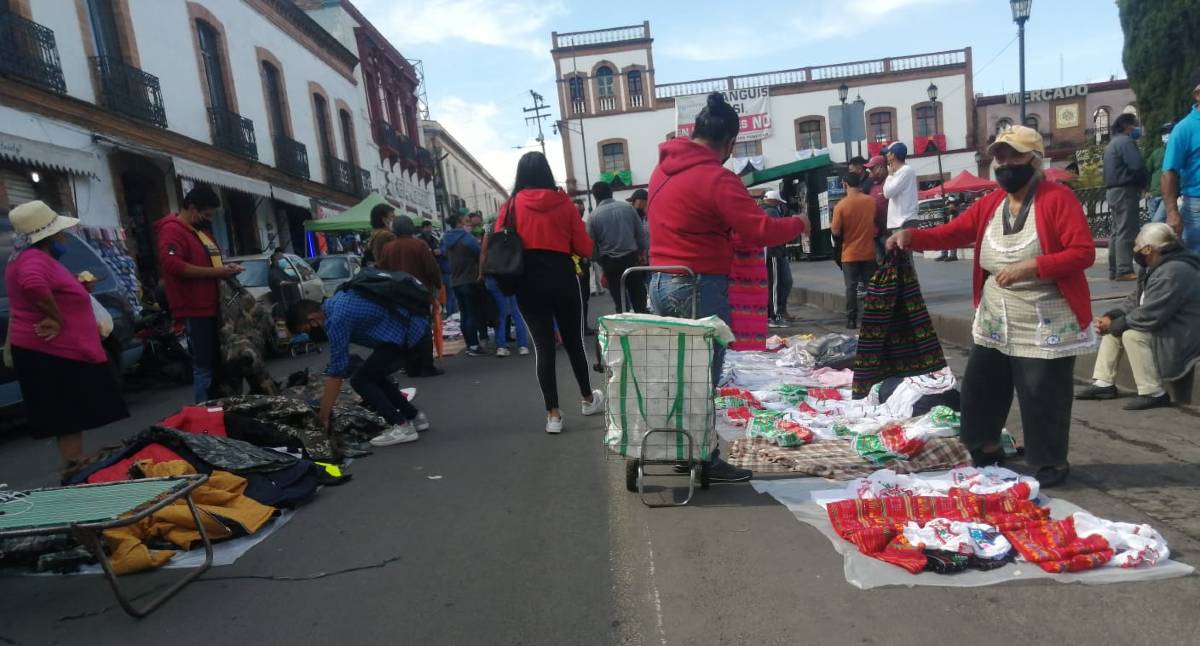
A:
550,294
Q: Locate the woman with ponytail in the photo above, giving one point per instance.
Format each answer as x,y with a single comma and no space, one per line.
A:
549,294
695,207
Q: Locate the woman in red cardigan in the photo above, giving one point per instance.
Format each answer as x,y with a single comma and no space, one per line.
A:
1033,309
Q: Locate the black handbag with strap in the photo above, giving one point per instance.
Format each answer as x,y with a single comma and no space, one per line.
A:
504,253
391,289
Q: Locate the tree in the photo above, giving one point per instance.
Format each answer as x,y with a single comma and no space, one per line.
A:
1162,49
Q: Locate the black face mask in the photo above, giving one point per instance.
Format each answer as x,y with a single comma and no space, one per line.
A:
1141,259
1013,178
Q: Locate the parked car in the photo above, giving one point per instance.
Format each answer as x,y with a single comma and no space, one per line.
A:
258,268
123,347
336,269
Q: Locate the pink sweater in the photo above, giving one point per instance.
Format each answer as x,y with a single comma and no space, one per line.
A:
34,275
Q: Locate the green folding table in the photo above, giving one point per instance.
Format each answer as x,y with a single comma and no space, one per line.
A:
85,511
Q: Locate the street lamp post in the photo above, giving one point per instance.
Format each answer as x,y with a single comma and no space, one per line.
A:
932,91
1020,14
861,104
843,91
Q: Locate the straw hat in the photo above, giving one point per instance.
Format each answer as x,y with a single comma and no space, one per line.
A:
38,221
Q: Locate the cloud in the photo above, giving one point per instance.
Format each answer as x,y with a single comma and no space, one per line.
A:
512,24
477,127
831,19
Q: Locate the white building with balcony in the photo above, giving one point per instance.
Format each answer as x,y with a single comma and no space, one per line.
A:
113,109
462,182
615,111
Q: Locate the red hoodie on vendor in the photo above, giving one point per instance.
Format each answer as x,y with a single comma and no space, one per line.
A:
547,220
696,204
180,245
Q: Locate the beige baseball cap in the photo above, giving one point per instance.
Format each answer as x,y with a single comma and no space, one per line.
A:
1022,139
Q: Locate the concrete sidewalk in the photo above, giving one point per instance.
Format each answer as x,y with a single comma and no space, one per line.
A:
946,287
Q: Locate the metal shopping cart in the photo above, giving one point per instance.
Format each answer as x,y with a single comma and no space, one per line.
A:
659,385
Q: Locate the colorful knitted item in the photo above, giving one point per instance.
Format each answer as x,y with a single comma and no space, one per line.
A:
1056,548
897,338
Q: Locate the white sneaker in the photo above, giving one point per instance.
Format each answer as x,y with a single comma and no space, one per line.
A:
420,422
399,434
409,393
503,352
554,425
523,351
597,405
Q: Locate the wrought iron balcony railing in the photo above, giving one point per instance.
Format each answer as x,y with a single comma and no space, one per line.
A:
291,156
363,183
28,52
341,175
233,132
130,91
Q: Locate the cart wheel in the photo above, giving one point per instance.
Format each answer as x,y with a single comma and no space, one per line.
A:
704,478
631,475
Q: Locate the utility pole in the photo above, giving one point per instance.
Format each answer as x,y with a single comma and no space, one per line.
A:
539,104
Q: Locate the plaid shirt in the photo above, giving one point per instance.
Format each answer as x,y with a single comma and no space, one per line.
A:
351,318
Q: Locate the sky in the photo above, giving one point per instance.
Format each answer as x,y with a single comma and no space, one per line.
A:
482,57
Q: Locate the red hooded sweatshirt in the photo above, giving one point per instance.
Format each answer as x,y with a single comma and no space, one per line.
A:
695,204
548,220
178,246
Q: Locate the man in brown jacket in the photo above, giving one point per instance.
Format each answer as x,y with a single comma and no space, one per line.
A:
411,255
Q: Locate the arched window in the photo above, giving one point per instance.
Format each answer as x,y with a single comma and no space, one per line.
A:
324,135
1003,124
347,124
809,134
882,125
633,81
274,89
578,95
925,120
210,55
606,91
612,158
1130,109
1032,121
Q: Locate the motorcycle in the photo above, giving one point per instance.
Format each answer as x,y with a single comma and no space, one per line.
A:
165,358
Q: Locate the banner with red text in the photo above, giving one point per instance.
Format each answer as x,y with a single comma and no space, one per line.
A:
750,103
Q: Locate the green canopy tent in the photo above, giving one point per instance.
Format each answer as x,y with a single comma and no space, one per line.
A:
812,172
358,217
785,171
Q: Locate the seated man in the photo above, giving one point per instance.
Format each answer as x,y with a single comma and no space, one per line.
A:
1155,325
348,318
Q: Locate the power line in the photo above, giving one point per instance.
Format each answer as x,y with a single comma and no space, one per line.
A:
539,104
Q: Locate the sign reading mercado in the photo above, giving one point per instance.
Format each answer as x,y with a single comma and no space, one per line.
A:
750,104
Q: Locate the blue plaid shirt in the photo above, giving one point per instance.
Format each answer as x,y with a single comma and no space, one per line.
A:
351,318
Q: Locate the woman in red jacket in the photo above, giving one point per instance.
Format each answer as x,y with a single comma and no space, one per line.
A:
551,230
695,206
1033,307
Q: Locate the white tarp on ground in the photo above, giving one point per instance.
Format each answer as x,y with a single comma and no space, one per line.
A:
865,572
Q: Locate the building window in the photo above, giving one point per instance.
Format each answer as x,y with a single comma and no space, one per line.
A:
578,96
324,136
274,87
348,135
882,125
747,148
606,88
925,120
809,134
612,158
1031,120
104,29
636,96
1003,124
1130,109
210,55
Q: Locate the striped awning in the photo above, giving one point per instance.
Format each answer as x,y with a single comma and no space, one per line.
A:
224,178
48,156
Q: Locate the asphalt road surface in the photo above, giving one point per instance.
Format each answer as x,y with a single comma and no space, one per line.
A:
526,538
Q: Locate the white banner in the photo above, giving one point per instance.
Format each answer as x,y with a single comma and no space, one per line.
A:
750,103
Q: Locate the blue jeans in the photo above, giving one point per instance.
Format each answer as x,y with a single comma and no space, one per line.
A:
507,306
202,343
671,295
469,317
1157,209
373,381
1190,212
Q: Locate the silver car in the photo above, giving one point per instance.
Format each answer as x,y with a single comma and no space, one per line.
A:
258,269
336,269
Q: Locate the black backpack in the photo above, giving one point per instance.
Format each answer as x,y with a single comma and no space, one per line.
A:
505,258
391,289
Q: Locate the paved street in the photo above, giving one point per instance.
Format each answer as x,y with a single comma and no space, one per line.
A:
531,539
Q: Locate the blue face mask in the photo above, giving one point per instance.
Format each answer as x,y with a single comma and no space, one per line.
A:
1136,134
58,249
283,265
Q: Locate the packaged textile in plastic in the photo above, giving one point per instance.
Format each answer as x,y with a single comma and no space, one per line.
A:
940,421
886,482
978,539
733,397
1133,545
660,377
888,444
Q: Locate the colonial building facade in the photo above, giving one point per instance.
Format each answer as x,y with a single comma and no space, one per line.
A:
462,183
615,111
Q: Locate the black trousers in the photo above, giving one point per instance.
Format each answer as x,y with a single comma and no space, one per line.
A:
1044,392
614,268
779,283
854,274
551,294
